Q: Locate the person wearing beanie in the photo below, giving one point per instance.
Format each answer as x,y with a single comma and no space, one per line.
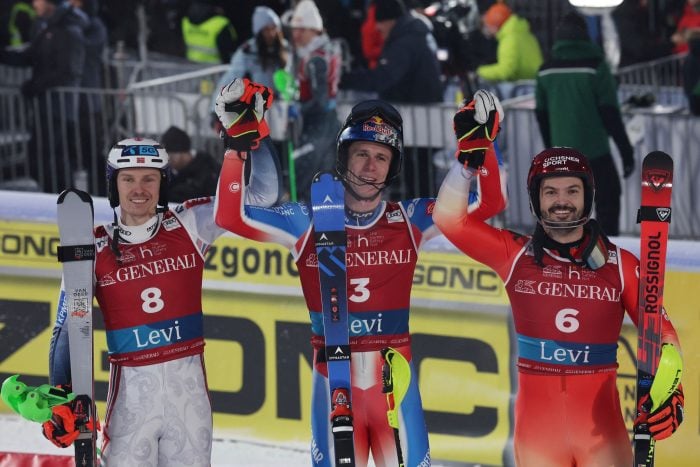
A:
518,54
572,27
495,16
194,173
389,9
264,16
306,16
318,67
576,106
258,57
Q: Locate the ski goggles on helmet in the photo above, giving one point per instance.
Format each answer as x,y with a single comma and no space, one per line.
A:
365,110
376,121
137,153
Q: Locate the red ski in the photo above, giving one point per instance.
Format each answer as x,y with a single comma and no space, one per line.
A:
654,216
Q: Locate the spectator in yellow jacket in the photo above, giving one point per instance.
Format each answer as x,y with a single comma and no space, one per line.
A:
518,54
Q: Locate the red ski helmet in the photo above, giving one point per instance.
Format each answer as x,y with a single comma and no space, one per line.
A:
560,162
375,121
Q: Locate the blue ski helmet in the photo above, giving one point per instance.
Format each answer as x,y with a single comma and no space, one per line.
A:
375,121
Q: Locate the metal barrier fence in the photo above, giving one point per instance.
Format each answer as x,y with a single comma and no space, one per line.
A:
676,133
119,71
62,137
196,78
665,71
14,76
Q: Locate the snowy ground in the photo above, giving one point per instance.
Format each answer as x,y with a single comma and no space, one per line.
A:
19,435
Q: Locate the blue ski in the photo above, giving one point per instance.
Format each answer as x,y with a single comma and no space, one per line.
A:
328,207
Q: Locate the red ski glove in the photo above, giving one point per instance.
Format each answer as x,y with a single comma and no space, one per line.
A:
666,419
241,107
61,430
63,427
476,126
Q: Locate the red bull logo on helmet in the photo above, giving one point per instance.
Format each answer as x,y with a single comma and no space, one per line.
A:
384,133
378,125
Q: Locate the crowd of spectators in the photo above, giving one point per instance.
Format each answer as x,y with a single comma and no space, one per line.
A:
209,31
403,51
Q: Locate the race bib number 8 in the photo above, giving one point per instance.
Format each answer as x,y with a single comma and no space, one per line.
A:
152,302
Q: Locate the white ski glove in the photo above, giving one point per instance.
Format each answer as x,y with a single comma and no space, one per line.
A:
476,126
241,107
484,103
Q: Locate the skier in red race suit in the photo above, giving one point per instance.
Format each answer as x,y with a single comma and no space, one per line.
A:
383,240
569,288
148,283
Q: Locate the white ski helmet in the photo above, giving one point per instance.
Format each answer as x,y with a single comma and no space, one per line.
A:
137,153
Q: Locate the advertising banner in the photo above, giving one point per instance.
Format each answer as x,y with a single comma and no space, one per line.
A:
258,353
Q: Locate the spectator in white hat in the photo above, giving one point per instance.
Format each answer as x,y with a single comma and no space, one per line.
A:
260,56
318,74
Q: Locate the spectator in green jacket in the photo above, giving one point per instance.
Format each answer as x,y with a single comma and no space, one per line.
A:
576,106
518,55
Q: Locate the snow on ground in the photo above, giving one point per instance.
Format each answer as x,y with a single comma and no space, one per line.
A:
19,435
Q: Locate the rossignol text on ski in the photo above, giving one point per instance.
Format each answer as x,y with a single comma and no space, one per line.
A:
654,217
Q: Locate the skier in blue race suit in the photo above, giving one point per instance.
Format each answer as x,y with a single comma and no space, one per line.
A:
383,239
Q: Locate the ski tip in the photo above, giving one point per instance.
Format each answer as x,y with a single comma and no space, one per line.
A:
84,196
658,158
330,173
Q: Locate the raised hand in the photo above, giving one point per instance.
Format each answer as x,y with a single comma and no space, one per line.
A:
476,126
241,107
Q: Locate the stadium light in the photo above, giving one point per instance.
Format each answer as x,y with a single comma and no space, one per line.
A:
592,7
